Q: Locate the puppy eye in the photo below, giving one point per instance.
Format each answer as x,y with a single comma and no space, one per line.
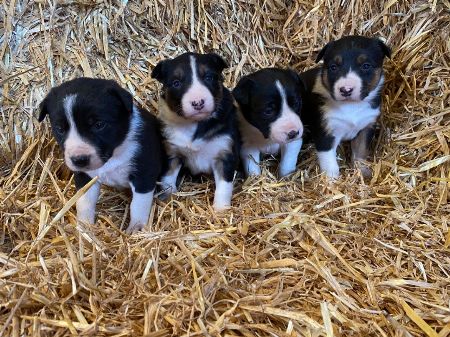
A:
366,66
333,67
269,111
176,84
99,125
60,129
208,78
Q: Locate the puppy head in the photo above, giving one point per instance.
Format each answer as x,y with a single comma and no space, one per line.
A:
352,66
269,99
89,118
192,84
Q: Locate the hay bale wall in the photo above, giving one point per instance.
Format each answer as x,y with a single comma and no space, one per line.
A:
297,257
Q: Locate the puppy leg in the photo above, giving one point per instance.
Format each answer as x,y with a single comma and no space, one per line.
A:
223,170
86,203
360,149
250,159
169,180
289,156
140,207
326,152
328,163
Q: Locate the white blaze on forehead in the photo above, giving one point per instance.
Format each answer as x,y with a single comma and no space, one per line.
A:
195,93
350,80
74,145
287,121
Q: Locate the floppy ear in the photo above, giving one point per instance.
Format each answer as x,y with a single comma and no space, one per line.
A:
296,77
242,91
159,72
322,52
386,50
217,61
43,109
123,95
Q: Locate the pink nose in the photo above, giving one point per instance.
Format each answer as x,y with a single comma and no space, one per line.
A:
198,105
346,91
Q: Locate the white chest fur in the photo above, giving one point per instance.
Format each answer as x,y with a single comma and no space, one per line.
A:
252,138
345,119
116,171
198,154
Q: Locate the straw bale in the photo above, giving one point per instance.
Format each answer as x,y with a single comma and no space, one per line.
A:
294,257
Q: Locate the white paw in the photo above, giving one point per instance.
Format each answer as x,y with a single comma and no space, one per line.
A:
332,172
166,192
253,171
284,171
221,207
135,227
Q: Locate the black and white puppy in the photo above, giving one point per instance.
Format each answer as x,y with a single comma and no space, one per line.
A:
103,134
343,97
199,121
269,104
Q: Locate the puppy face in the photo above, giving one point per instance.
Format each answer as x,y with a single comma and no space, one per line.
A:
270,100
192,84
352,66
89,119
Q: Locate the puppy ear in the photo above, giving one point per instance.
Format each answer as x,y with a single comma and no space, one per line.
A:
217,61
43,109
159,72
242,91
295,76
298,80
386,50
322,52
123,95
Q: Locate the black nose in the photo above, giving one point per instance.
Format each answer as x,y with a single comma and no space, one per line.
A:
292,134
80,161
198,105
346,91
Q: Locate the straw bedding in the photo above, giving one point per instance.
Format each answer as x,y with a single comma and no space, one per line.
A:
294,257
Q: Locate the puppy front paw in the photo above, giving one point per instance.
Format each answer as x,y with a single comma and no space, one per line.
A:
365,169
283,172
332,173
218,207
134,227
166,192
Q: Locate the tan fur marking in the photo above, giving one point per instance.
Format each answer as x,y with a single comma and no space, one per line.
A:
324,74
361,58
375,80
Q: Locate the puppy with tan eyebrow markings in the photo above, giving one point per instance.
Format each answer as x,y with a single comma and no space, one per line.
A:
199,122
342,99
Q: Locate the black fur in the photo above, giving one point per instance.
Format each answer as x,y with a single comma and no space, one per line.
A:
259,99
355,52
176,77
102,114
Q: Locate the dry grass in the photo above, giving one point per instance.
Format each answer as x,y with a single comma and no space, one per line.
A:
297,257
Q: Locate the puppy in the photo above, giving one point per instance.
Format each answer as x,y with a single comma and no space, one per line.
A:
199,122
103,134
269,104
343,97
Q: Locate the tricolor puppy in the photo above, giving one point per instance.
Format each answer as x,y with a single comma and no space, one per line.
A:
343,97
103,134
199,122
269,106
